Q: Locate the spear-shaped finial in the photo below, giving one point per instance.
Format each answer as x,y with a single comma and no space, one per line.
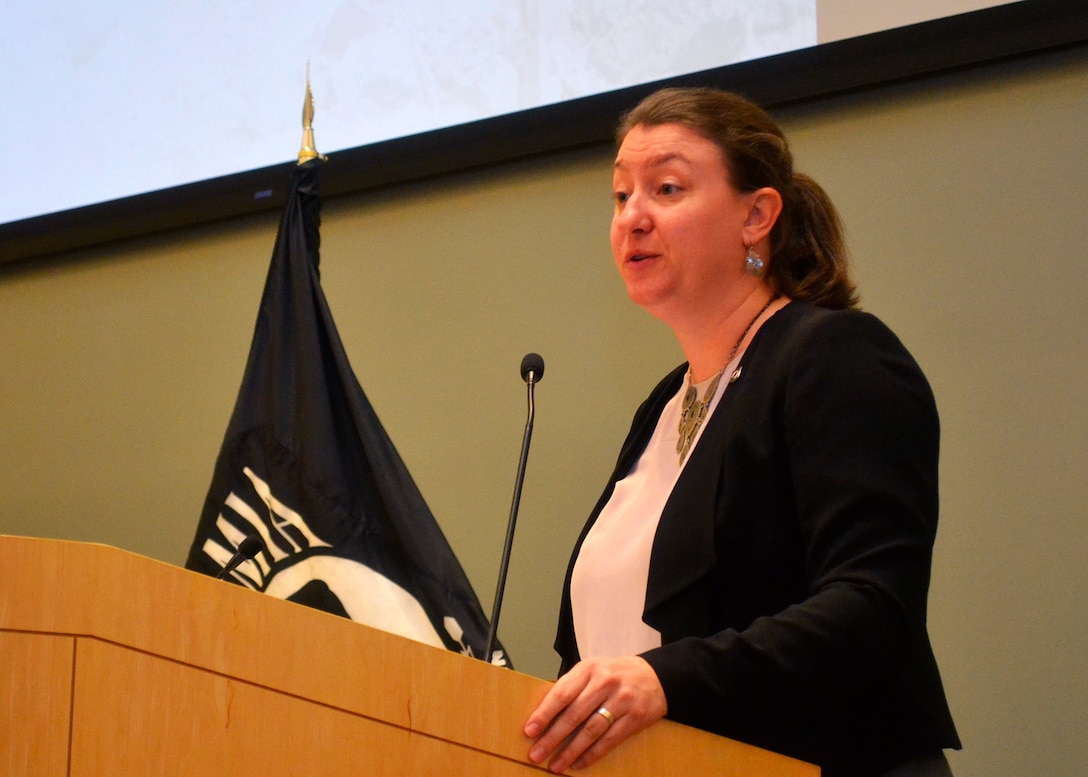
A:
308,152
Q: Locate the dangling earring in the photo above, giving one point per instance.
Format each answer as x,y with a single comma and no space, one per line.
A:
752,263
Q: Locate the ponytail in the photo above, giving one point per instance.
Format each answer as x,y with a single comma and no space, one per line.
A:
808,253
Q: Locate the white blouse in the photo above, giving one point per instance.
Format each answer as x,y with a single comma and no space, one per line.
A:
608,585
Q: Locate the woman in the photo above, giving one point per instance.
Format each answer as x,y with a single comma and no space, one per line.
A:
759,562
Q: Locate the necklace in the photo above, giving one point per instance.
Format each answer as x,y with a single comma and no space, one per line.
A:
694,410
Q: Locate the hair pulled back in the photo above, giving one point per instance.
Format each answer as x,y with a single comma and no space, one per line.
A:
808,259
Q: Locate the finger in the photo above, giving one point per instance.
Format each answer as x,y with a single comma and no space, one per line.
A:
556,701
565,729
612,737
593,737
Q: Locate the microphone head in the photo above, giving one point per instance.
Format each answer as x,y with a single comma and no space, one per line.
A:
532,367
250,546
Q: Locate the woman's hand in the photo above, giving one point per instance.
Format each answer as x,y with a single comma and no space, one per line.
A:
571,726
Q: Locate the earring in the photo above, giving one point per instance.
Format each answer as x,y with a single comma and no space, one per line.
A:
752,263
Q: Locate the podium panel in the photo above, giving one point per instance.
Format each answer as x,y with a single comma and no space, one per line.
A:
35,699
133,710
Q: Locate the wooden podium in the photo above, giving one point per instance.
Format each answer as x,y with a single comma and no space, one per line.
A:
115,664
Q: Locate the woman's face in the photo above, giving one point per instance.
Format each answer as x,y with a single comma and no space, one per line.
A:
677,230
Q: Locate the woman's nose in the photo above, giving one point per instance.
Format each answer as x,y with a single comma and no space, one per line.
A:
634,216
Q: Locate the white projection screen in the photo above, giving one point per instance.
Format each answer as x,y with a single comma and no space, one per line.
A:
125,117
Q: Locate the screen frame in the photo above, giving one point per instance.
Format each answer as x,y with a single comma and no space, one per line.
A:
952,43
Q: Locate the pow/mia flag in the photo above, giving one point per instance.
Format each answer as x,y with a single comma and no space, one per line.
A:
306,466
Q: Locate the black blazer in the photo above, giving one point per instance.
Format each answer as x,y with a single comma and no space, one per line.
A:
791,565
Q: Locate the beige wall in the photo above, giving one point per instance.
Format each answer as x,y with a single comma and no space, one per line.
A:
965,201
839,19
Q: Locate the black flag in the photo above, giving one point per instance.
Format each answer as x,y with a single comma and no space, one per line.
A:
306,466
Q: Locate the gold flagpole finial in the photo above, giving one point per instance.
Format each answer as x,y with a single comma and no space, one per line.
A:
308,152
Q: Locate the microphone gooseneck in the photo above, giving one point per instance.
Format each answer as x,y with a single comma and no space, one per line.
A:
532,370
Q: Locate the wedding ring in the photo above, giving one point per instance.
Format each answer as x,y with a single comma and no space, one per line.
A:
607,715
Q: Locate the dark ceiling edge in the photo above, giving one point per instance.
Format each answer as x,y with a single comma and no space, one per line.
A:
968,40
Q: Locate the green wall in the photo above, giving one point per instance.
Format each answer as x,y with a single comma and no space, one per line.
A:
964,198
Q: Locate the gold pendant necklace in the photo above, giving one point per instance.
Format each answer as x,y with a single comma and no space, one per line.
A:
694,411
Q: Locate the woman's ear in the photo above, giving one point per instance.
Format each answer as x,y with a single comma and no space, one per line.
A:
765,206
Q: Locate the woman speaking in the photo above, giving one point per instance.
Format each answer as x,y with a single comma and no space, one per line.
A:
758,564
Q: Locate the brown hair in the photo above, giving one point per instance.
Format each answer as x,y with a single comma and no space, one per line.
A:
808,259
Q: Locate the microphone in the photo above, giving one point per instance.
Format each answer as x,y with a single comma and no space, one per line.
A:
532,370
247,549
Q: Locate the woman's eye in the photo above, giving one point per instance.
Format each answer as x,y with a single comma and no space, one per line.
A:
669,188
620,197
